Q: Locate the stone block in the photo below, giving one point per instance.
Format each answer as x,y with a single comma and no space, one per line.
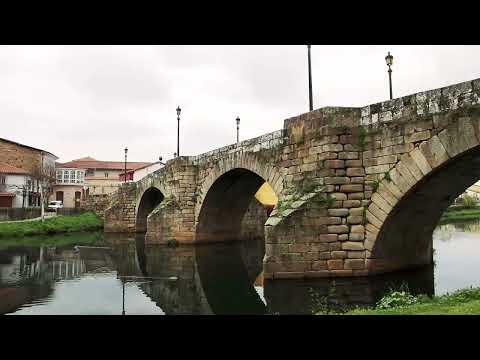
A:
355,171
339,196
377,169
354,264
325,255
355,254
434,152
339,254
355,219
378,200
379,213
417,136
458,137
343,237
406,174
338,212
356,196
337,180
351,245
350,188
354,163
403,148
356,211
319,247
351,203
328,238
348,155
334,164
335,264
337,229
421,161
357,228
336,246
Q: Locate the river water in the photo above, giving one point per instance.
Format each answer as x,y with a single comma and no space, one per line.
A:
117,275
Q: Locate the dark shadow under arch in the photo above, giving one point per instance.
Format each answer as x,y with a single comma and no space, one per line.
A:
405,239
151,198
225,205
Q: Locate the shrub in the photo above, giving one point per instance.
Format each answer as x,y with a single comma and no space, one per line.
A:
396,299
469,201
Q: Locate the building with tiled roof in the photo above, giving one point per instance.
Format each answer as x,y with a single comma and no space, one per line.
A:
15,186
36,162
79,178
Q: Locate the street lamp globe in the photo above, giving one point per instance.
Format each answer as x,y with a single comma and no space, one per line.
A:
389,59
126,150
178,111
238,120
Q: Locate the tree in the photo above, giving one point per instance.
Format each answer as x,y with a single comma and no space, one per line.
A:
45,176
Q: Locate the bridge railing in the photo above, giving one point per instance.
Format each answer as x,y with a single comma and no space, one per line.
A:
266,141
434,101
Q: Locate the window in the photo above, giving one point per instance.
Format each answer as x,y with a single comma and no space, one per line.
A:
79,177
66,176
90,172
106,174
59,176
2,179
72,176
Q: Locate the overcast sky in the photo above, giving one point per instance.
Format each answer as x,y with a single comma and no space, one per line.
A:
77,101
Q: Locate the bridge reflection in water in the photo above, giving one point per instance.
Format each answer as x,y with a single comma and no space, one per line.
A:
205,279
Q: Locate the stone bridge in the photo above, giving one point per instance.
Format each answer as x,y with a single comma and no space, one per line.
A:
360,189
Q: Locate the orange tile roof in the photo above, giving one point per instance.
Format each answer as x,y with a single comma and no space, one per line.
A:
107,165
9,169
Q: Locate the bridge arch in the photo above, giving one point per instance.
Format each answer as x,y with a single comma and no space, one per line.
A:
227,192
149,200
409,201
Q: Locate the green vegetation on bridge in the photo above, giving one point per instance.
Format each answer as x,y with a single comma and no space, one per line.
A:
58,224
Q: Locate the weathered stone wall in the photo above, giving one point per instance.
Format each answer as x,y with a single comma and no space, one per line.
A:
120,215
97,203
173,219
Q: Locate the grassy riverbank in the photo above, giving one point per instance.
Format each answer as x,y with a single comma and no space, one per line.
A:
56,225
461,302
453,215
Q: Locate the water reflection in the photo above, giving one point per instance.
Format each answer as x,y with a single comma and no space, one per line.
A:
124,275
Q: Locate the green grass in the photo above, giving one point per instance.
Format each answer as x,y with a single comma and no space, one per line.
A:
458,215
59,224
461,302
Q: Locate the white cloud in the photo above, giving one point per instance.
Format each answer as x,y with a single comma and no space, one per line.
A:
94,100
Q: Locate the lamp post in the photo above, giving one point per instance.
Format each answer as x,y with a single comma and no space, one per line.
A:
389,61
123,297
178,130
310,78
126,151
238,129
